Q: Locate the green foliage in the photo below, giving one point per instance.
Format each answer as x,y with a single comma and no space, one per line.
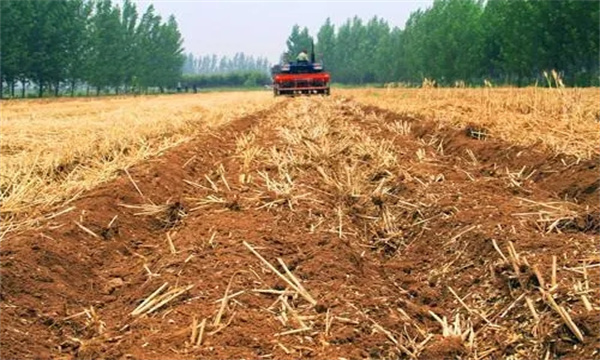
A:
299,40
14,49
325,47
504,41
53,43
232,79
105,46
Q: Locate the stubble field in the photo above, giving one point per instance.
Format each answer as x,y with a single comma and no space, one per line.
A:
379,223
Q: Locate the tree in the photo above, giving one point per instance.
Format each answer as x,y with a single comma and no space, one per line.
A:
15,28
298,40
570,47
169,54
189,64
374,56
106,44
77,34
148,60
325,47
49,43
129,55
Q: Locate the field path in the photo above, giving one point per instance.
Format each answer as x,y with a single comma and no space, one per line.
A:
404,239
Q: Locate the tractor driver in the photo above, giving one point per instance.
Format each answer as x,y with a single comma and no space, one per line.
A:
302,57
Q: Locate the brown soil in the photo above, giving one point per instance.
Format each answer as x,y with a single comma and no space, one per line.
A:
68,294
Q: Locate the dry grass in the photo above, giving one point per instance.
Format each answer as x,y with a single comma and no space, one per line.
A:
52,150
562,120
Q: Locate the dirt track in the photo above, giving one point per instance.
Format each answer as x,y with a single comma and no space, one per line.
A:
387,222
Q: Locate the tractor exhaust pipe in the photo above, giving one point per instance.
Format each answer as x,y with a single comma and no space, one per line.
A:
312,51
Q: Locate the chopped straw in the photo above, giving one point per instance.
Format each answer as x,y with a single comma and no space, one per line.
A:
87,230
291,283
564,316
201,334
171,245
156,301
224,300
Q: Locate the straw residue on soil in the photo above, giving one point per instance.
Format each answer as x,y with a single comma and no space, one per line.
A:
321,228
53,151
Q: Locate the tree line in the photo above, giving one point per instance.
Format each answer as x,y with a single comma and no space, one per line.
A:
504,41
231,79
213,64
208,71
58,44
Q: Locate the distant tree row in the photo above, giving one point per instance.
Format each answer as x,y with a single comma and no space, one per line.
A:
507,41
55,44
246,79
212,64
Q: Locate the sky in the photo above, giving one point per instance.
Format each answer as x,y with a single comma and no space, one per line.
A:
260,28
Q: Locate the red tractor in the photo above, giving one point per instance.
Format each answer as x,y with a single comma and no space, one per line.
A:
300,77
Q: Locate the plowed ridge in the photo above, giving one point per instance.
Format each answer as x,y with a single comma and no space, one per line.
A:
321,229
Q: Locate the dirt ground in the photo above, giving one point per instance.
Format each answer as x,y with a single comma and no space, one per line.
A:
406,239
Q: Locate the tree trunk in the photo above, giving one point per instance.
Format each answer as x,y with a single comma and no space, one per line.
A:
12,88
56,88
97,90
87,90
23,88
72,88
41,89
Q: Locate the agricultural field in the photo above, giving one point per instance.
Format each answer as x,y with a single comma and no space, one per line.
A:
374,223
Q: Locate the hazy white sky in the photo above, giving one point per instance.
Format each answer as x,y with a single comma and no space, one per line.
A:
260,28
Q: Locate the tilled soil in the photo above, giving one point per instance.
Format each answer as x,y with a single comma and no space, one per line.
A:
414,240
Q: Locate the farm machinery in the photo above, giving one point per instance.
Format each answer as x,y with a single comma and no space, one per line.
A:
300,77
